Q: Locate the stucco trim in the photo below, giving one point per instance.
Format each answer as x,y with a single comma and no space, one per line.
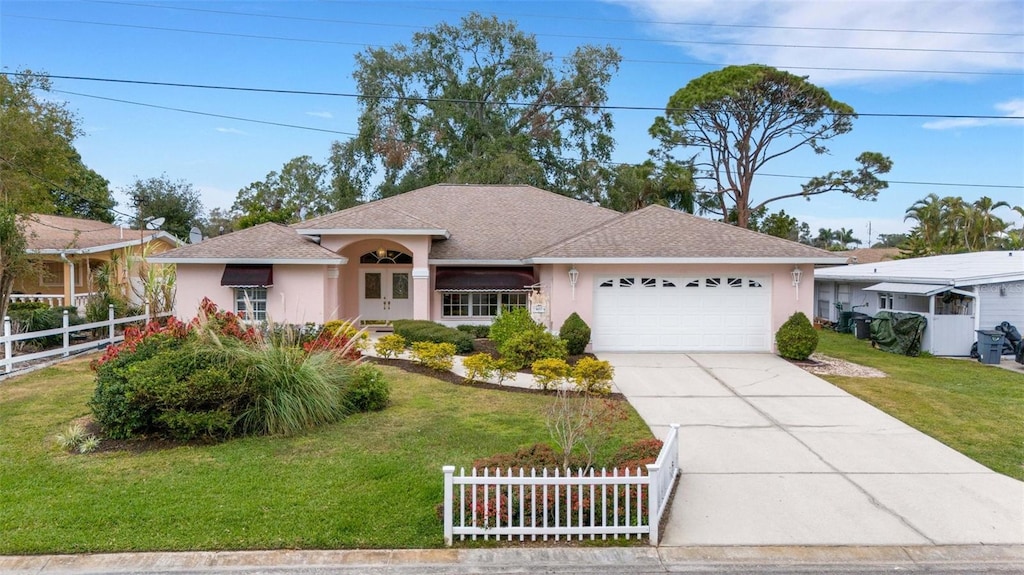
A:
313,261
440,262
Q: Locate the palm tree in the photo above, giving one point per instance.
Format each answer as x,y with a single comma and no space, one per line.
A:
825,238
989,224
845,237
928,212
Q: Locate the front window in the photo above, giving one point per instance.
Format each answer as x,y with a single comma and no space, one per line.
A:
251,303
481,304
884,300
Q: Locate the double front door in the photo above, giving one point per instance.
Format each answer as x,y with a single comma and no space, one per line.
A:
385,295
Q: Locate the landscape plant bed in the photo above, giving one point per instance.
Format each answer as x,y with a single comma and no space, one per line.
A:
484,345
973,408
372,480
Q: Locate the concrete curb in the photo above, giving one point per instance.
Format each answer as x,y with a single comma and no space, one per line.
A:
527,560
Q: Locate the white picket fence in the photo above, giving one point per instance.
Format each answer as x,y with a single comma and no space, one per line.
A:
10,361
583,504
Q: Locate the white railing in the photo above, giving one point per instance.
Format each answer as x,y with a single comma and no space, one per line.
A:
52,300
81,300
67,348
620,503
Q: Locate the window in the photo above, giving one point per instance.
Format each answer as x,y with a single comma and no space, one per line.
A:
385,257
626,282
735,282
481,304
712,282
608,283
667,283
251,303
884,300
649,282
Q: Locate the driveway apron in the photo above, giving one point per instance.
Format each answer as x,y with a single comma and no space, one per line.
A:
772,455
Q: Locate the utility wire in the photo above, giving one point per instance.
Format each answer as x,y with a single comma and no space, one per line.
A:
568,36
466,101
60,188
280,124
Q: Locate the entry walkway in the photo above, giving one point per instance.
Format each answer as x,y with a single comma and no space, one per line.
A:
772,455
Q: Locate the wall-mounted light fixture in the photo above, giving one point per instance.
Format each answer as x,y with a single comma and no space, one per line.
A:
574,276
797,274
1002,291
382,252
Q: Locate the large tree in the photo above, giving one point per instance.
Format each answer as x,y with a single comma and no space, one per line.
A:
14,260
174,200
40,170
740,118
301,189
951,225
637,186
481,103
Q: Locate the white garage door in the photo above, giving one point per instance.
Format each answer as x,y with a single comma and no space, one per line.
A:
706,313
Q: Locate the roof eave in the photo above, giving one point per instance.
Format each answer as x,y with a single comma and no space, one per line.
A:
436,233
963,281
475,262
283,261
684,260
106,247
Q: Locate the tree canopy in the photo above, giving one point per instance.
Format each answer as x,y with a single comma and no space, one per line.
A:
481,103
300,189
637,186
740,118
40,170
950,225
174,200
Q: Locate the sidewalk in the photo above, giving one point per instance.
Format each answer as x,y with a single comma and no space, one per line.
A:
631,560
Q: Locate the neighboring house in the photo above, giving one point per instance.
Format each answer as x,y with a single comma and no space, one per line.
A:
958,294
72,250
870,255
650,280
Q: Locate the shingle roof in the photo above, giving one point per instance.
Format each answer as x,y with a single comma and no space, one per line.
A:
660,232
264,243
958,269
48,232
870,255
485,222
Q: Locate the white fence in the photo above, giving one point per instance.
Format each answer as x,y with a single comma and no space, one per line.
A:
10,360
583,504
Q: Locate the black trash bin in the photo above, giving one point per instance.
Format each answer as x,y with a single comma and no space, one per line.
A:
845,322
990,346
862,327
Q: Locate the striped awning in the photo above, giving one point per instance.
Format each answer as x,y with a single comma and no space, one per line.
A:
484,279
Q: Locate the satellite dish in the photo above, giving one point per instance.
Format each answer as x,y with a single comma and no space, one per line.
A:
302,212
195,235
155,223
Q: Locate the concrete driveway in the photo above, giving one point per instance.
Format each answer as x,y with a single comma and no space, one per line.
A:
772,455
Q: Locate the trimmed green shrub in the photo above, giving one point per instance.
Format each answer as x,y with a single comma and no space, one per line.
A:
550,373
26,305
477,331
439,356
510,323
503,370
576,334
479,367
390,345
593,375
414,330
539,456
527,347
797,338
369,389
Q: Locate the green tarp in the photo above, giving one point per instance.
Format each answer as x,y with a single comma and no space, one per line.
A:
896,332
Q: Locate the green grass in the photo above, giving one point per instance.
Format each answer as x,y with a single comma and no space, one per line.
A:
371,481
973,408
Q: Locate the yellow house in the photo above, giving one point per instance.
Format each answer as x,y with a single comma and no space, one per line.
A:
71,250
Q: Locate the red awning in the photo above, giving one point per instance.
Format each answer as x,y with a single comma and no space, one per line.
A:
242,275
477,279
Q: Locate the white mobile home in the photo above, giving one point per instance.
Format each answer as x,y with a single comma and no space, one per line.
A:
957,294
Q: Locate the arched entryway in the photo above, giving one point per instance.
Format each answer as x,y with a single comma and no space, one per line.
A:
385,285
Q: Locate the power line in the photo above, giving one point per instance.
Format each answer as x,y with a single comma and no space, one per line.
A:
464,101
280,124
422,7
61,188
566,36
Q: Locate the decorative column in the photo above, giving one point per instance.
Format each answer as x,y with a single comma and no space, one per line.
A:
332,286
421,293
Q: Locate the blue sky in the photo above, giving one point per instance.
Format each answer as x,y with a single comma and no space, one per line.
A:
310,46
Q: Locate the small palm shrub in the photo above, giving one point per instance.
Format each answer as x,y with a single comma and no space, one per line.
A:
369,390
593,376
550,373
796,339
510,323
576,334
414,330
390,346
76,438
439,356
479,367
527,347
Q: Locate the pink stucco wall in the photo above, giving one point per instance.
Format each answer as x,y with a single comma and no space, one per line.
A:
297,295
785,299
352,247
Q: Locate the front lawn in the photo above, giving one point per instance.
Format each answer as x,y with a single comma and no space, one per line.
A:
372,481
973,408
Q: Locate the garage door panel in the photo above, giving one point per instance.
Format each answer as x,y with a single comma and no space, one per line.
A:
729,314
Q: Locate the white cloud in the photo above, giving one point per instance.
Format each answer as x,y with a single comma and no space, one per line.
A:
230,131
1013,109
326,115
787,24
